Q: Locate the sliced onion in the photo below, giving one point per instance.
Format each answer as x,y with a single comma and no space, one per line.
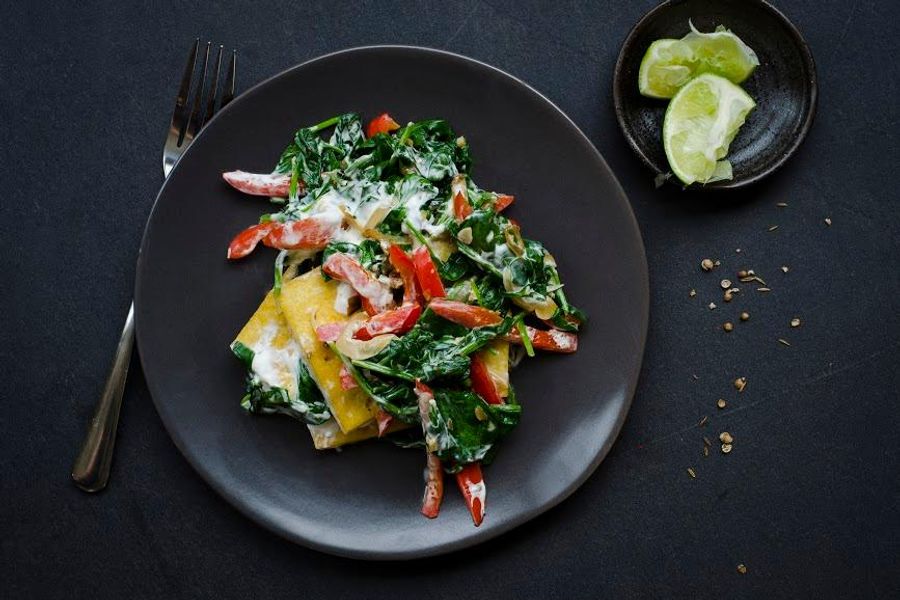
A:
358,349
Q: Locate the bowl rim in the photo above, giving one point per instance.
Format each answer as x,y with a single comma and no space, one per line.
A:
626,51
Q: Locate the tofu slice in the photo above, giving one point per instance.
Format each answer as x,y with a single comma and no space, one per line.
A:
267,333
496,358
307,301
329,435
276,353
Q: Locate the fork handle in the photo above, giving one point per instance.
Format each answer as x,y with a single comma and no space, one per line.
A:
91,468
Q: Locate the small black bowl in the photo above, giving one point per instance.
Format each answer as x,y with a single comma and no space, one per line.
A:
783,85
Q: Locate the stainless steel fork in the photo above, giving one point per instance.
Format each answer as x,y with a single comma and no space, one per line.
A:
91,468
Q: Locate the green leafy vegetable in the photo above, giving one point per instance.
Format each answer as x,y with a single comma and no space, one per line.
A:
434,349
260,398
368,253
463,428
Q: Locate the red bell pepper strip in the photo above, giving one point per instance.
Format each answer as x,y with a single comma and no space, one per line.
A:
426,273
330,332
403,264
399,320
246,241
383,123
553,340
461,207
434,476
502,201
347,269
471,484
464,314
383,419
434,487
367,305
482,384
260,184
312,233
348,382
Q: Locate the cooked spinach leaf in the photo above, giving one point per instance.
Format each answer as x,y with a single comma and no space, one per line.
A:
309,155
395,398
368,253
260,398
434,349
463,428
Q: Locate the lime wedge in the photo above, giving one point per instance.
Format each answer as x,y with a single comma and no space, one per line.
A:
668,64
721,52
701,121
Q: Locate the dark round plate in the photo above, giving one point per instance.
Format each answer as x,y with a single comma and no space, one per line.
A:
783,85
364,501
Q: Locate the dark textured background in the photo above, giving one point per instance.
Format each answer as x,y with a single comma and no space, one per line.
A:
808,499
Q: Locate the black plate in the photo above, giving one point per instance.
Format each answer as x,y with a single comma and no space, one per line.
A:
783,85
364,501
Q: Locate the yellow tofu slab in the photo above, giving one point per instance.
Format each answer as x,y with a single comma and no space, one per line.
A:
496,358
307,301
329,435
267,331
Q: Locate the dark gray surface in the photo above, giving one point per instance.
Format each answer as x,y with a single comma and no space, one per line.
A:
364,502
808,498
783,86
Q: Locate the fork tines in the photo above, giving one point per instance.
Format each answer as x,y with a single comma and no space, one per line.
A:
205,86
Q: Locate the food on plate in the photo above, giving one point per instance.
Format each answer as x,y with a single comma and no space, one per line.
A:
700,73
402,296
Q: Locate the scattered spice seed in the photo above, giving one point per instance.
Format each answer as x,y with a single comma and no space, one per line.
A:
706,441
725,437
717,263
726,448
742,568
721,403
706,264
728,296
781,205
692,293
828,221
763,289
727,326
742,273
712,305
784,341
692,473
703,421
705,451
795,322
773,227
745,316
784,268
480,414
725,284
740,383
738,250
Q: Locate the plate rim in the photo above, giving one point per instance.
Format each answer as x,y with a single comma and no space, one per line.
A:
477,536
717,186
